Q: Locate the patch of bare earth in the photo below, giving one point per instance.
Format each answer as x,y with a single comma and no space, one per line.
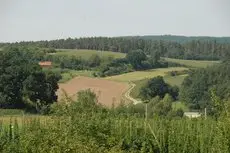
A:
108,92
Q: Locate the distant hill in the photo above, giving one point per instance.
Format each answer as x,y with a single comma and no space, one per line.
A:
180,47
185,39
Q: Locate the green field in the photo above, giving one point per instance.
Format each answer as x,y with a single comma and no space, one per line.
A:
140,75
172,80
192,63
175,80
86,54
66,76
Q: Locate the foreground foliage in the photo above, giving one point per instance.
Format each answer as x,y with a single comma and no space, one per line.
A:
105,132
85,126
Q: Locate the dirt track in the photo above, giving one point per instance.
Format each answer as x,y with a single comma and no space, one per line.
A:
108,92
127,95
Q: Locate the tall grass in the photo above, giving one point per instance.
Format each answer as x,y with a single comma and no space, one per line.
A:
87,127
103,131
4,112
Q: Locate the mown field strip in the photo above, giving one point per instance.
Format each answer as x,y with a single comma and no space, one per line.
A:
86,54
192,63
140,75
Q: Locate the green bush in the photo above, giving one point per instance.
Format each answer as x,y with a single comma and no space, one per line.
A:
157,87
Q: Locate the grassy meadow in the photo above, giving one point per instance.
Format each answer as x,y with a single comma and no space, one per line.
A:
172,80
66,76
86,54
175,80
140,75
192,63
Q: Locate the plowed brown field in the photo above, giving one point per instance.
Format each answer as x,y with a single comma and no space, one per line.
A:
108,92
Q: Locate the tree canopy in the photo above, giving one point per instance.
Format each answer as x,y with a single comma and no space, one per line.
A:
157,87
22,81
136,58
196,88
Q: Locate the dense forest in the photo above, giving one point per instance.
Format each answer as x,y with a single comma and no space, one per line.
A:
185,39
183,48
198,88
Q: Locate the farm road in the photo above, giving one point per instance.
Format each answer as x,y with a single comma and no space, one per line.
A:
127,95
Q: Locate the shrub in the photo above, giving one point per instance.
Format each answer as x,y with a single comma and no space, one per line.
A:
157,87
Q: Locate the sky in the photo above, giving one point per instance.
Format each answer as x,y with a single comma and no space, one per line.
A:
27,20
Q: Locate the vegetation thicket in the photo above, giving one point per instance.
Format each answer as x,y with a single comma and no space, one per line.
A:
85,126
198,86
23,84
157,87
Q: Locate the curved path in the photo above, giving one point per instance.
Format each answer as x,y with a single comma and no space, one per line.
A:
127,95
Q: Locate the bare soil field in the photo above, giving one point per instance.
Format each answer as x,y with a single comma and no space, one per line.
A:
108,92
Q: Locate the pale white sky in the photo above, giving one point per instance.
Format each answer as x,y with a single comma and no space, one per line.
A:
55,19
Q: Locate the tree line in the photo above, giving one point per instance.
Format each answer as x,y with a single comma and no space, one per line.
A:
204,49
103,66
199,87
